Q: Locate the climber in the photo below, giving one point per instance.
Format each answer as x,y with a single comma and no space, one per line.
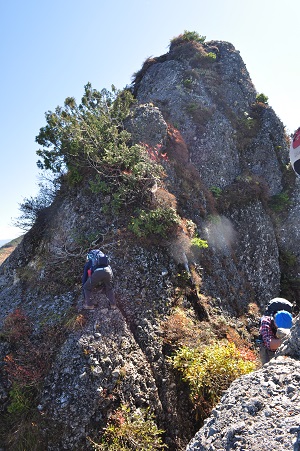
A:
295,152
273,329
97,272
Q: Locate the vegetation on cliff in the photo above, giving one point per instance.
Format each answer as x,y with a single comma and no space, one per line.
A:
182,199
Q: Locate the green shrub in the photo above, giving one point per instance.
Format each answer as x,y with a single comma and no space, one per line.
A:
193,36
199,113
248,121
188,83
89,138
97,185
199,243
20,399
76,135
130,431
216,191
280,202
131,173
210,371
288,259
212,56
127,175
262,98
187,36
160,221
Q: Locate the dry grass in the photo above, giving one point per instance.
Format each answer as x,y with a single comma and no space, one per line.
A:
8,248
182,329
244,190
4,253
76,322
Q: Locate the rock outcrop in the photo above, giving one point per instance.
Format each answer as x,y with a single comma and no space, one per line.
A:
263,407
227,176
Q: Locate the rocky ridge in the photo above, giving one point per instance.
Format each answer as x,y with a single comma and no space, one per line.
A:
201,111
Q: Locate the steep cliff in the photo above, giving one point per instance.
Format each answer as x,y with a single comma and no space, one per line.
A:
225,157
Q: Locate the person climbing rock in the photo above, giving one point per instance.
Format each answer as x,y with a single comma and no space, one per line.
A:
97,272
273,329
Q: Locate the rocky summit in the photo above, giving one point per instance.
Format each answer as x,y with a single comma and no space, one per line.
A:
183,179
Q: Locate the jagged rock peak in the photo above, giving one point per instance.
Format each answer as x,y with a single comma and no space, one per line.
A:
224,177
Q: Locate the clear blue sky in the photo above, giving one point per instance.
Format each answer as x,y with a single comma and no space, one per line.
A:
50,50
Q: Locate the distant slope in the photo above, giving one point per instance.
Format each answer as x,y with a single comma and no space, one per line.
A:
8,248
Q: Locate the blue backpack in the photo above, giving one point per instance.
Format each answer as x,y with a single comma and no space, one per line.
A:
98,258
274,306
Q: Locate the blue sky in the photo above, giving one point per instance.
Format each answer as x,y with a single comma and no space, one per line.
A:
50,50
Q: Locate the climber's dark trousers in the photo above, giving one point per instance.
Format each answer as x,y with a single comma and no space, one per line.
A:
100,276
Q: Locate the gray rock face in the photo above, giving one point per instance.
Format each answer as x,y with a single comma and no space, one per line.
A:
291,346
266,154
227,137
289,233
226,161
243,242
84,386
201,100
148,126
111,356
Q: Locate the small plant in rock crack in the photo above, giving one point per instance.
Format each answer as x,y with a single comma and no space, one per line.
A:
160,221
280,202
75,322
20,399
176,327
127,431
212,56
16,327
262,98
27,365
216,191
188,83
198,243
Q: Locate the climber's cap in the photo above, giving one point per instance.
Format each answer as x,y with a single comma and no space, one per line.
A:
283,319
